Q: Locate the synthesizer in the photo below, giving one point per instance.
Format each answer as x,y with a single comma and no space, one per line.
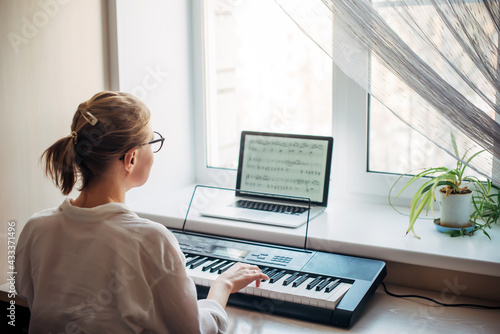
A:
316,286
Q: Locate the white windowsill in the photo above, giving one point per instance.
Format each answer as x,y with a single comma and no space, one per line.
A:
346,227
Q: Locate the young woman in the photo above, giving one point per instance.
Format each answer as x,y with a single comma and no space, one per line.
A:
92,265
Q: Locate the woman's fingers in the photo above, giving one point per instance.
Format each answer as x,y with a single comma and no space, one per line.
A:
241,274
256,275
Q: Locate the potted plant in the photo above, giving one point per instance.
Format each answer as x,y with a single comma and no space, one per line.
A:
453,185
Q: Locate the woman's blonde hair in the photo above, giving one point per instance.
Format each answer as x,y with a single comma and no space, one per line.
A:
104,128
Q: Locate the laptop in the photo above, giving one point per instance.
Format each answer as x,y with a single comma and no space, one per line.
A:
277,176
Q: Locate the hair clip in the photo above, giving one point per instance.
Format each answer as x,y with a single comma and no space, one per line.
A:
92,120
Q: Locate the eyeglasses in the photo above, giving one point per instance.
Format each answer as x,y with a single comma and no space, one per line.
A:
156,143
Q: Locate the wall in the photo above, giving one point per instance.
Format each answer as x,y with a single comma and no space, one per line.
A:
53,55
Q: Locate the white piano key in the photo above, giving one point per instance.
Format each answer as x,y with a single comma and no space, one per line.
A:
337,295
309,299
280,287
265,289
289,291
277,289
252,289
200,277
248,290
301,292
319,298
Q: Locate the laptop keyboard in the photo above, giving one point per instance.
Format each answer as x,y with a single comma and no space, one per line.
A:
272,207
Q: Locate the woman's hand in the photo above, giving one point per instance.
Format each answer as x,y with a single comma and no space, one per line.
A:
233,280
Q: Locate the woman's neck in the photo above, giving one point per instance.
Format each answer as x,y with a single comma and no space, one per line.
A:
99,193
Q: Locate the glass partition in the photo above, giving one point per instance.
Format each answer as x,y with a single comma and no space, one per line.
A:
249,215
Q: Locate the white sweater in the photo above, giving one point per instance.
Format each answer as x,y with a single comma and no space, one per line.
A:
106,270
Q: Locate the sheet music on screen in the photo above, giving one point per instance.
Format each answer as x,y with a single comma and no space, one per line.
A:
286,166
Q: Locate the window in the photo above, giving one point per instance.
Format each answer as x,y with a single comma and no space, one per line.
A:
262,73
393,146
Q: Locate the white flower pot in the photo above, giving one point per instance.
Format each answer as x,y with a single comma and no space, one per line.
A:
455,209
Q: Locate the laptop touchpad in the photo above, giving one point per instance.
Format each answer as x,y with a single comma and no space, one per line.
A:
253,214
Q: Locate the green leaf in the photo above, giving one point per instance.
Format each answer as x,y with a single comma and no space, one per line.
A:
474,155
415,210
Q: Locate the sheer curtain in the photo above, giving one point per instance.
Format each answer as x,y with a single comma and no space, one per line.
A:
441,56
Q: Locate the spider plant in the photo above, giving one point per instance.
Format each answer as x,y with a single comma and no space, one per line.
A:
486,208
453,181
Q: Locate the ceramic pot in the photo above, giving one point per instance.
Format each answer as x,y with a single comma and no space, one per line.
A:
455,209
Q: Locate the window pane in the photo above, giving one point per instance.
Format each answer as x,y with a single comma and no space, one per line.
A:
393,146
262,73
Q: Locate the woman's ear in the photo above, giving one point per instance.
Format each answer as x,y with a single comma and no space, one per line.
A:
130,160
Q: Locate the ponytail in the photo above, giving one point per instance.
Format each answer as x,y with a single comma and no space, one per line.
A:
60,164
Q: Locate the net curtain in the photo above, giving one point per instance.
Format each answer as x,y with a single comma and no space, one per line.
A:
440,56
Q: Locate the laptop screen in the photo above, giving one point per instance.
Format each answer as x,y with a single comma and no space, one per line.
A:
285,164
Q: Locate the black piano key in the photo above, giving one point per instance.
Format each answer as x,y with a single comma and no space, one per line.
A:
198,263
322,284
291,279
194,259
211,265
314,282
332,285
220,265
300,280
277,276
270,273
223,269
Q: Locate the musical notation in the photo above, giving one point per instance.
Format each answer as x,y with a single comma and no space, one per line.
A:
288,166
281,146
